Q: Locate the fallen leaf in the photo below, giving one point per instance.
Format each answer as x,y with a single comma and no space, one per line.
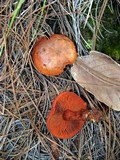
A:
100,75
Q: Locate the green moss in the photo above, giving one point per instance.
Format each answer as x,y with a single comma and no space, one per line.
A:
109,42
114,52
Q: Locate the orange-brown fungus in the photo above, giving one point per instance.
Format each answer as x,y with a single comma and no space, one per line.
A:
50,56
65,118
95,115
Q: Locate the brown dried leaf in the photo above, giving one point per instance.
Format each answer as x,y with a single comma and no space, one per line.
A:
100,75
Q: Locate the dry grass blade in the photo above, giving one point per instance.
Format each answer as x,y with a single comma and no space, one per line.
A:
55,150
98,21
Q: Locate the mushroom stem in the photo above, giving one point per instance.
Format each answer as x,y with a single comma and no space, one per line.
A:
94,115
70,115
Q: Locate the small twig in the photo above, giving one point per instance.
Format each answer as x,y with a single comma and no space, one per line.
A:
101,12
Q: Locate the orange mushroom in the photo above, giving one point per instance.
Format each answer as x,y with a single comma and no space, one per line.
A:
50,56
64,118
68,115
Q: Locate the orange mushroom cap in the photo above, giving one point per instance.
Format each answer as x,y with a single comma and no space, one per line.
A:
60,126
50,56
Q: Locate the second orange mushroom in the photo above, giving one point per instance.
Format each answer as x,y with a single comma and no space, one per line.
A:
68,115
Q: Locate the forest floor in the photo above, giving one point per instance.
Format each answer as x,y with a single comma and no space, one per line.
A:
26,96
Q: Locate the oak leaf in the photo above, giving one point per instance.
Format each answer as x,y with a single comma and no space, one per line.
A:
100,75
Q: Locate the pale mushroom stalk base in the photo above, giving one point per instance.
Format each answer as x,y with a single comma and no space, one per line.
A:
94,115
